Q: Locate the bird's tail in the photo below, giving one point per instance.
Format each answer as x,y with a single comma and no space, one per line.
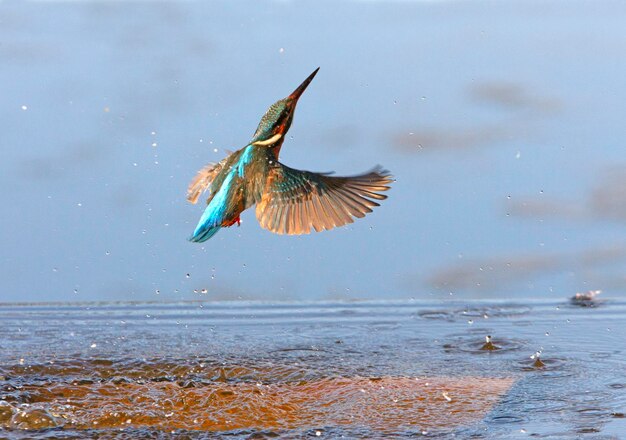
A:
203,233
209,224
217,212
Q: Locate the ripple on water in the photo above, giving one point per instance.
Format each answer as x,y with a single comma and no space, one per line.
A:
88,371
593,412
6,414
507,419
505,311
31,418
475,344
548,366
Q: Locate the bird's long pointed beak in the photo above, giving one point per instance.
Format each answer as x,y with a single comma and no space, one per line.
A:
302,87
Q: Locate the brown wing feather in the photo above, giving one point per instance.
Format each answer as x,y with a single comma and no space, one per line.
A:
203,181
295,201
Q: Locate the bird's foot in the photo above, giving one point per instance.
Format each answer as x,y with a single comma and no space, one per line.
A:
232,222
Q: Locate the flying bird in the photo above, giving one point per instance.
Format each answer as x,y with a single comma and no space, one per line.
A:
288,201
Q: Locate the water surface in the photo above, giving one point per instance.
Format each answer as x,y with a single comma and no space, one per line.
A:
361,369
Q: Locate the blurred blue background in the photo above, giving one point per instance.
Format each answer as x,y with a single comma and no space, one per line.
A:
503,123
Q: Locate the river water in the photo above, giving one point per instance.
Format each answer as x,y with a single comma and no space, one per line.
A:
329,370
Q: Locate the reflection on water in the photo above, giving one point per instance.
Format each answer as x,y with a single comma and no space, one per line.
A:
323,369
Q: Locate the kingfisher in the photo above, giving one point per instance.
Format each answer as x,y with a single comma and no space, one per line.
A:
288,201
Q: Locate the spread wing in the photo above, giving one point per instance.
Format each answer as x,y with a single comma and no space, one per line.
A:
203,180
295,201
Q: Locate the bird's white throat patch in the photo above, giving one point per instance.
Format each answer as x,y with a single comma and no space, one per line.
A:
269,141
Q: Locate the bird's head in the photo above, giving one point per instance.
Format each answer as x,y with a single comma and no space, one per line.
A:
277,119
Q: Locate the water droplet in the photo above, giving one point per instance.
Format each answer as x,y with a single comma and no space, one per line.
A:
518,155
537,358
187,276
94,345
470,322
24,107
281,50
488,345
154,144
